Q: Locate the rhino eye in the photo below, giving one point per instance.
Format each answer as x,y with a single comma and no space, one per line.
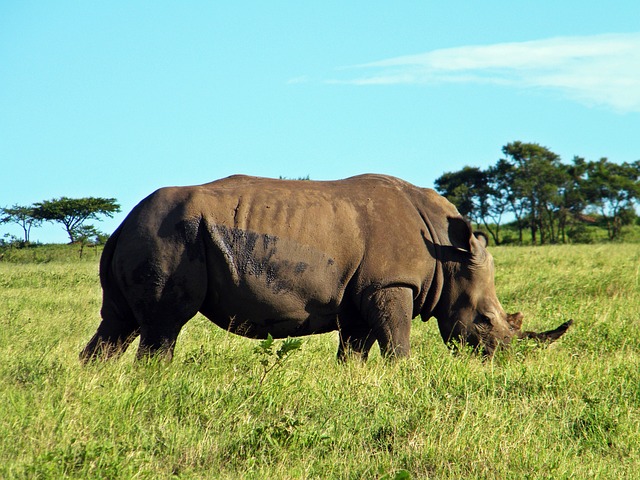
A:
482,320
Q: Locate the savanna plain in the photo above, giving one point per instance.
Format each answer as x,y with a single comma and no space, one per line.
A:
230,407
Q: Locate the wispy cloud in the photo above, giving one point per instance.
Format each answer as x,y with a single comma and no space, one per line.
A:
594,70
296,80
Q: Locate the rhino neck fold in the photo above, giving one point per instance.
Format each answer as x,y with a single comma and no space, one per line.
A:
432,287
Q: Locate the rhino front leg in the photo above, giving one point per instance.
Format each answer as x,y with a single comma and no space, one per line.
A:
388,312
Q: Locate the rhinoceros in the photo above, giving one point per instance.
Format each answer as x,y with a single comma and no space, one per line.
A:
287,258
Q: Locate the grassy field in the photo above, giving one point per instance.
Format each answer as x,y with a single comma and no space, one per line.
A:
568,411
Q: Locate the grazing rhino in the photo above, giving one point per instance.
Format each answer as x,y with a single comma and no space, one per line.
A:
256,256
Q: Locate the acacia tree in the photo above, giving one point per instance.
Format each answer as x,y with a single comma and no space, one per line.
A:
23,216
73,212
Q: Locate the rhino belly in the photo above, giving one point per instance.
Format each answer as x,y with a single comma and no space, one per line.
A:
256,314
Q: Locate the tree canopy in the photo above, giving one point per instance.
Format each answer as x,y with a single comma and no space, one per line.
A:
23,216
529,183
612,190
543,194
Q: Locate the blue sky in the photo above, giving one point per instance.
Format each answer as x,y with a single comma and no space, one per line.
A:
116,99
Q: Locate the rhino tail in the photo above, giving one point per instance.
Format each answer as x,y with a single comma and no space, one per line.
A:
113,301
107,257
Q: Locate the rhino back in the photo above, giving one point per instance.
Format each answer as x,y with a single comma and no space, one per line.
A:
368,222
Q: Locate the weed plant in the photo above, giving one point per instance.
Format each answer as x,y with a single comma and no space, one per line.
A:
230,407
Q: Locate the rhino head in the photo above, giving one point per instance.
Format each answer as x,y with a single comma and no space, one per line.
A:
469,312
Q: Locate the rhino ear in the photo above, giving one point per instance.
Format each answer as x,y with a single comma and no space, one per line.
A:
482,238
463,238
460,233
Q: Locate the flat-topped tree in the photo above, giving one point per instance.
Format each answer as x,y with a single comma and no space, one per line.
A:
73,212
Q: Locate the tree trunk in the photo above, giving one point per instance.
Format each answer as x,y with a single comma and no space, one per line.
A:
495,233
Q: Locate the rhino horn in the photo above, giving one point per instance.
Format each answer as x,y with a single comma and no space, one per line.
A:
515,320
548,336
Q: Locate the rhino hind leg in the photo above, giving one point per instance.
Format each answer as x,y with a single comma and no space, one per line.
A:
112,338
388,312
356,339
157,341
161,322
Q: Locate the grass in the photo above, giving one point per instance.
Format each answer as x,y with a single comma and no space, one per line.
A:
568,411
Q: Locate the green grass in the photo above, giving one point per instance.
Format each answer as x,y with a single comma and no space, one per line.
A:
37,253
568,411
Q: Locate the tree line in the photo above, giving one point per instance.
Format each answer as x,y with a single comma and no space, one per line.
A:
70,213
530,184
544,195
